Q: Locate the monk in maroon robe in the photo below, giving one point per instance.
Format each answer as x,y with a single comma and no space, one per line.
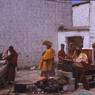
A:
11,58
61,54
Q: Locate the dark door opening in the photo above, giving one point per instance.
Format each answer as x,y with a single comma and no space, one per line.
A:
74,42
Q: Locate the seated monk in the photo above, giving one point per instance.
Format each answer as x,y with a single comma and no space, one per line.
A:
80,60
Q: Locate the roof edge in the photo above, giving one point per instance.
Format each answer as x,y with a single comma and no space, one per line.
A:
74,5
77,28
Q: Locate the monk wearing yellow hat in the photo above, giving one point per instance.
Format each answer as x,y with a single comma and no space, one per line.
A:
46,63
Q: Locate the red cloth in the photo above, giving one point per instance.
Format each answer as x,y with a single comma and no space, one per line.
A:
15,57
12,63
11,72
61,55
12,58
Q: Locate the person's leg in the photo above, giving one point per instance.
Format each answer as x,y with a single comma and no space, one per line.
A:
11,73
76,74
60,66
51,73
67,66
44,74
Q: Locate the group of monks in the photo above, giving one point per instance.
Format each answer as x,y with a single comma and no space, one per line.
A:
76,56
47,64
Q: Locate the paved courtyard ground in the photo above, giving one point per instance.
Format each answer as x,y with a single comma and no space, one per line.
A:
23,77
26,77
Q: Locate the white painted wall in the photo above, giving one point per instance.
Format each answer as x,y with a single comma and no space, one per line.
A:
92,22
62,37
81,15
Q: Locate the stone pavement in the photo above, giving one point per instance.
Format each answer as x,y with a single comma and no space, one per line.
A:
25,77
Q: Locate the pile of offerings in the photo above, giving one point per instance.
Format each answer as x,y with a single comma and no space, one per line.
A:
42,86
48,86
58,84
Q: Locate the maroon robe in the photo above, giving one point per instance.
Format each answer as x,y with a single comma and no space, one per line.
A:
61,55
12,63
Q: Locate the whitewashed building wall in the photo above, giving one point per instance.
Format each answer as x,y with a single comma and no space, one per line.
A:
92,22
81,15
62,38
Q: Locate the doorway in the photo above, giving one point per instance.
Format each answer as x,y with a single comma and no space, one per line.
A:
74,42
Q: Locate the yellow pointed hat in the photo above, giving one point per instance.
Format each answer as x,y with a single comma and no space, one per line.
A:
46,42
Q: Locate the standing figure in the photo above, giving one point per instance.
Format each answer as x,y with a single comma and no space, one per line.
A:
46,63
61,57
11,57
61,54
